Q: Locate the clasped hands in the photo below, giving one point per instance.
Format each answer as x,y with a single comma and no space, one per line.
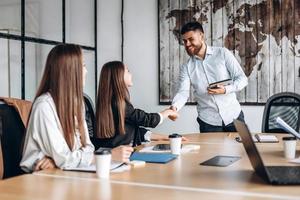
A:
170,113
44,163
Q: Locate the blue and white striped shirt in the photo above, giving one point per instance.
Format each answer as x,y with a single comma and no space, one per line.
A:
219,64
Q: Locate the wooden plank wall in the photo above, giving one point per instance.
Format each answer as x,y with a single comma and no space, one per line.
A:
264,36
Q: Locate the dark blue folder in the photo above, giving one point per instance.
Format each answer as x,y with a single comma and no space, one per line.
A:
153,157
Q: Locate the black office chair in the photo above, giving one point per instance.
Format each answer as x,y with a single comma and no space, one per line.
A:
12,134
285,105
90,119
90,115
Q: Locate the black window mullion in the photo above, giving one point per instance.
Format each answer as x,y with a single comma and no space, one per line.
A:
63,21
95,44
23,38
23,49
122,30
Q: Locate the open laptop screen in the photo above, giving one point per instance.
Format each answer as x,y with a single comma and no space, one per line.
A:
250,148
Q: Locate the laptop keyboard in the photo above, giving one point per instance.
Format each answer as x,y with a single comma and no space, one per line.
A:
284,174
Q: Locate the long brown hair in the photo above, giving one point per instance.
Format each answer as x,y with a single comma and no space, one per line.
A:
112,89
63,79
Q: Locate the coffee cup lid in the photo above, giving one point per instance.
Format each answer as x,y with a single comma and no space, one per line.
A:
289,138
103,152
175,135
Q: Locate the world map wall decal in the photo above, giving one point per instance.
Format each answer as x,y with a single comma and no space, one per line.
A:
264,36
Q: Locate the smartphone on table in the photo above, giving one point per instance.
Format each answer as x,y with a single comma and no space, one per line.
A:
162,147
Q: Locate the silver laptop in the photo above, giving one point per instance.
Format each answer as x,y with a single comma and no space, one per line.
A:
277,175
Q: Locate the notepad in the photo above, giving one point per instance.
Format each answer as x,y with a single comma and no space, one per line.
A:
266,138
262,138
114,167
153,157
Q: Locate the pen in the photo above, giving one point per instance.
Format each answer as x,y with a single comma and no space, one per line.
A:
134,150
124,163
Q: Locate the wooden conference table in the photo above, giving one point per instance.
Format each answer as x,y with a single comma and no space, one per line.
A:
182,178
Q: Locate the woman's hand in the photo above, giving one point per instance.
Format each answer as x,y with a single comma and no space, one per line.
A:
45,163
121,153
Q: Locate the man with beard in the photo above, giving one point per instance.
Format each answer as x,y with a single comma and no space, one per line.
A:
217,107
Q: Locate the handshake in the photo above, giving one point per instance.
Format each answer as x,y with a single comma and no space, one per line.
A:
171,113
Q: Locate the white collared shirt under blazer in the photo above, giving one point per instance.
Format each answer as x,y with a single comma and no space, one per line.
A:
219,64
45,137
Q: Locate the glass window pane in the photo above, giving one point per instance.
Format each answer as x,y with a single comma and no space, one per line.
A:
43,19
10,15
89,59
10,67
35,60
80,22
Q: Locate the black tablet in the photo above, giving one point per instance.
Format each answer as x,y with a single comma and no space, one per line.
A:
221,161
161,147
225,82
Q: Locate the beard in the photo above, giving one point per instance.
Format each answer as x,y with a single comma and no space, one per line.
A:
194,51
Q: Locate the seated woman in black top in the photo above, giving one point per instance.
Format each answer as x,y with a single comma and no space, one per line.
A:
118,122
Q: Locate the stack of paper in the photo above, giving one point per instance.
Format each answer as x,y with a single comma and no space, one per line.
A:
297,160
266,138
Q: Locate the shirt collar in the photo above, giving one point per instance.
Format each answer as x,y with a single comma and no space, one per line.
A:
209,51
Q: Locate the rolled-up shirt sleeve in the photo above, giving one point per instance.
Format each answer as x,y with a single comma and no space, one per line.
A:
236,72
183,92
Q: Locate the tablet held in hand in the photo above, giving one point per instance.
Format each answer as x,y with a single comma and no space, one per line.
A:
214,85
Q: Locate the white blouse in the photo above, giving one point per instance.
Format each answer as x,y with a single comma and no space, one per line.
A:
45,137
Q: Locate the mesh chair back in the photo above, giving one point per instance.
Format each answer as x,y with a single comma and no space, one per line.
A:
285,105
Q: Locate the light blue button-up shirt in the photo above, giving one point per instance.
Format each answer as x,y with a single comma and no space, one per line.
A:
219,64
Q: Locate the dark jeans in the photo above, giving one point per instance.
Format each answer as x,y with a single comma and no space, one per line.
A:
204,127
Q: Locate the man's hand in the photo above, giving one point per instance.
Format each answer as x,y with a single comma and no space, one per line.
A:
220,89
170,113
173,117
45,163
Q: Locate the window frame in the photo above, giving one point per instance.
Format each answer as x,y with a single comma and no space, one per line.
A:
23,38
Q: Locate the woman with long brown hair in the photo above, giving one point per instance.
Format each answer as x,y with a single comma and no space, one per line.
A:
57,133
118,122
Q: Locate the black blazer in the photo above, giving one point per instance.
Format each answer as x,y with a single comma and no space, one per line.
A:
135,120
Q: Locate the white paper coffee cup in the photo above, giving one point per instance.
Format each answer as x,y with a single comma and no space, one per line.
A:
175,143
289,147
103,159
